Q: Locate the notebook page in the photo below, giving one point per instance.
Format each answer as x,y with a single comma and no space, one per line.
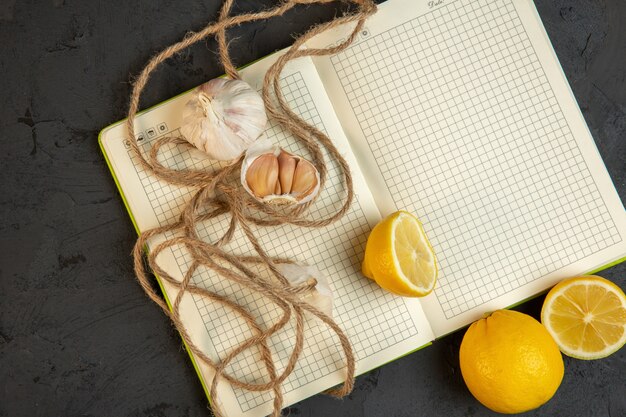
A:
381,327
458,111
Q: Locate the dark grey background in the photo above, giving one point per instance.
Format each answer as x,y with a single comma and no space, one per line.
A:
77,335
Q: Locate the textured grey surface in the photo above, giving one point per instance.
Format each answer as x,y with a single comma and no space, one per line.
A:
77,335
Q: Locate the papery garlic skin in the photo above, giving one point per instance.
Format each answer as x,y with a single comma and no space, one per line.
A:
321,296
272,175
223,118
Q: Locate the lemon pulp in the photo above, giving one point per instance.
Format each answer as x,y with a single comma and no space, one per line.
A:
586,316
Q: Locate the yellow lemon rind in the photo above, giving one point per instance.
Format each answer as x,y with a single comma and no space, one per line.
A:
385,270
494,358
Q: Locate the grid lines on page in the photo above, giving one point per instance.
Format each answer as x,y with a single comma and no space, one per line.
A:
373,319
468,134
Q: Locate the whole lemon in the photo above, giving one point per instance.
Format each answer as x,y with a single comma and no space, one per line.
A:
510,362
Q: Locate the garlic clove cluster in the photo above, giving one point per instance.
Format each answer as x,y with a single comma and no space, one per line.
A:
321,296
223,118
273,175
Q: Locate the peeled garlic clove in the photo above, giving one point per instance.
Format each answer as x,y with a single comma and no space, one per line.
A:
288,179
321,296
304,178
287,164
223,118
262,175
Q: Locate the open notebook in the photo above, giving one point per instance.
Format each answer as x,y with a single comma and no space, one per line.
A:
456,110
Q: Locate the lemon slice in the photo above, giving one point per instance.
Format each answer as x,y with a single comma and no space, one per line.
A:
586,316
399,257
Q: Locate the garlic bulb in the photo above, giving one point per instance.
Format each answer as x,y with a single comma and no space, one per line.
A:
272,175
321,296
223,118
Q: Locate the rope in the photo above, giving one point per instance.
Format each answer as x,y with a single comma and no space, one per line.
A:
216,197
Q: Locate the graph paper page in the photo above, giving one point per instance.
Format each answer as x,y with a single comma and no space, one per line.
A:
380,326
458,111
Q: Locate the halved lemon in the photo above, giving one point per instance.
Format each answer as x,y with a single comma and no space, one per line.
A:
399,257
586,316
